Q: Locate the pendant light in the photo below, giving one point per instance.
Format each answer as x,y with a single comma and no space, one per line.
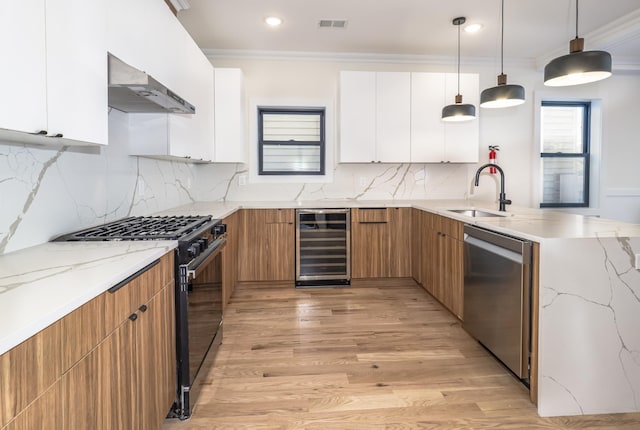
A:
458,111
578,67
502,95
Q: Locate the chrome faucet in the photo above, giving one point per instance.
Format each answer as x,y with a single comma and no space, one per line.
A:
503,198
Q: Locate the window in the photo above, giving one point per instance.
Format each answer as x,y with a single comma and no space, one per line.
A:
564,152
291,141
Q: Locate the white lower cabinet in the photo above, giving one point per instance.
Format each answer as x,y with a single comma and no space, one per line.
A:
55,91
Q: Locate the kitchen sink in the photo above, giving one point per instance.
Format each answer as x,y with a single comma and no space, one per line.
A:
478,213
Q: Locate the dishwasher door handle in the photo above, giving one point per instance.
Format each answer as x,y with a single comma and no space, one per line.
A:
494,249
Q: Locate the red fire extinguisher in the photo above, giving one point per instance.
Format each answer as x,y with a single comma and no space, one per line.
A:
493,152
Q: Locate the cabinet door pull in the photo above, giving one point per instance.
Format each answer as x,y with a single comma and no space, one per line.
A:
40,133
56,135
133,316
143,308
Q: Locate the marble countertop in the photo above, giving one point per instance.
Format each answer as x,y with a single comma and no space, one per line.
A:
531,224
42,284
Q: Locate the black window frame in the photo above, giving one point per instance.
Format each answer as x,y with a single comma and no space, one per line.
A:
287,111
585,154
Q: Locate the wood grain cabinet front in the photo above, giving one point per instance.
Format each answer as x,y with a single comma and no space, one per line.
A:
266,249
230,258
380,242
441,260
110,364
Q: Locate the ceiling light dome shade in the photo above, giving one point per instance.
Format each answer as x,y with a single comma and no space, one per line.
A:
502,95
459,111
581,67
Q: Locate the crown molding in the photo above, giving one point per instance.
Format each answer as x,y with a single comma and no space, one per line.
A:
353,57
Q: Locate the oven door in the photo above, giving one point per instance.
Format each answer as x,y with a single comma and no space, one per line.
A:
198,319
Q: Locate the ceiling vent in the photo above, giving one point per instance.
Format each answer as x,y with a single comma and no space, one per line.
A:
332,23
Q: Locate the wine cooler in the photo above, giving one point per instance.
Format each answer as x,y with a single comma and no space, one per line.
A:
323,247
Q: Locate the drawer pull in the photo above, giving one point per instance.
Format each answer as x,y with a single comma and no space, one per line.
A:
143,308
133,317
128,279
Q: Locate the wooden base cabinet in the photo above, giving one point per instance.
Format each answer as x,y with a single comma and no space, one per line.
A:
230,258
380,242
109,364
267,241
441,256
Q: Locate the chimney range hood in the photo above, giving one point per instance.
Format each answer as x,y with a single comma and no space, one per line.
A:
134,91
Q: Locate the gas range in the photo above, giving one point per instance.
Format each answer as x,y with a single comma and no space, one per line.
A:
194,234
198,302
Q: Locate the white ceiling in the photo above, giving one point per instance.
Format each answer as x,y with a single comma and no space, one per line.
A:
535,30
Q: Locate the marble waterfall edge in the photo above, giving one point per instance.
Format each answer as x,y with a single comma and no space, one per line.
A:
589,345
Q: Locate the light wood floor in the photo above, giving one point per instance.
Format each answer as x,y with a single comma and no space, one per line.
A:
359,358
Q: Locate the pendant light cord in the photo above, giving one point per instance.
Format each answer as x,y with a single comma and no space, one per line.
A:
576,19
459,58
502,40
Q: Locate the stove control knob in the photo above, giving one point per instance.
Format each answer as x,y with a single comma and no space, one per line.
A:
219,229
194,250
203,242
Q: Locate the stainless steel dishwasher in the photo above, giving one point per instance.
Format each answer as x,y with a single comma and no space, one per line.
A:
323,247
497,295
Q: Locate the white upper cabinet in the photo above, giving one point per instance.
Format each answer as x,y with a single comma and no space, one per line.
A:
230,146
56,83
374,117
427,127
357,117
23,76
436,141
146,35
77,70
393,117
462,139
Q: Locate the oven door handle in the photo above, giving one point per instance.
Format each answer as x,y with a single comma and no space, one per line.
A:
195,266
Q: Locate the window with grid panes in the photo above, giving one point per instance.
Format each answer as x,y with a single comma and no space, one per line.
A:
564,153
291,141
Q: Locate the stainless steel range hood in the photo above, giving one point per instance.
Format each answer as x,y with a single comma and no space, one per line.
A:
134,91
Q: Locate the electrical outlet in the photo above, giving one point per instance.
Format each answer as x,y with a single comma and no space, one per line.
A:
188,183
242,180
363,181
141,187
637,261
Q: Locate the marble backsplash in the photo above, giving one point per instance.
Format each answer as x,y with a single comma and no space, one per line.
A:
48,191
220,182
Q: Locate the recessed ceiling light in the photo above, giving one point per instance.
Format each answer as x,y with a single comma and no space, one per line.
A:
273,21
473,28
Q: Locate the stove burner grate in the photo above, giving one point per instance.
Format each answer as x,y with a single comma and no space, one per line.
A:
141,228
